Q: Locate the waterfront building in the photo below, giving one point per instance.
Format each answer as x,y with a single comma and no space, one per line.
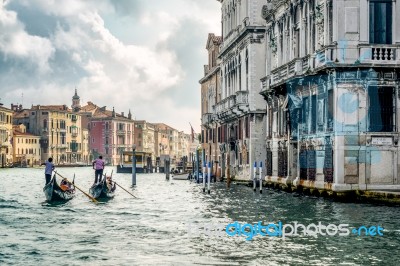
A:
164,141
145,140
240,109
184,141
26,147
110,134
211,130
332,94
59,128
6,134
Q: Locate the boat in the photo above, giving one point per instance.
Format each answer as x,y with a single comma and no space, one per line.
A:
54,192
180,176
102,191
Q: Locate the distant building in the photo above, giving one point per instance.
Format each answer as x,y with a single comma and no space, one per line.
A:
60,131
109,133
145,140
26,147
6,134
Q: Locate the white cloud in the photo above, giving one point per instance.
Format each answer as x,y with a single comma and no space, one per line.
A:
124,62
15,42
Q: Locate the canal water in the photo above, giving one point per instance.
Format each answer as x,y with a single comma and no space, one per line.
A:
153,229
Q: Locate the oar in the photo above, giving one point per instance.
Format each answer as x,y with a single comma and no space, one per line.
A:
122,187
90,197
125,190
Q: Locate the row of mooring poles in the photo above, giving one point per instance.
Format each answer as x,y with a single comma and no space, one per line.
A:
257,172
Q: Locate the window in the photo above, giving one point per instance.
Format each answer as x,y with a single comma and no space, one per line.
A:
330,110
381,109
305,112
62,138
313,113
380,21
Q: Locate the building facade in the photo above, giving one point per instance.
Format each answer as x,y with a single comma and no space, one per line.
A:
332,94
240,111
6,134
26,147
110,135
59,128
210,95
145,140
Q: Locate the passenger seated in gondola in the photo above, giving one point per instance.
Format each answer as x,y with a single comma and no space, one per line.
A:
65,185
109,182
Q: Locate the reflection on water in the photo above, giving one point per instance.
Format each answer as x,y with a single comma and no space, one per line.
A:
152,229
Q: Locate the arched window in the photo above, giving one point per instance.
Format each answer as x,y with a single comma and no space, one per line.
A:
45,123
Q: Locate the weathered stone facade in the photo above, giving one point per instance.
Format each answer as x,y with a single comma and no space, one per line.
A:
210,95
332,92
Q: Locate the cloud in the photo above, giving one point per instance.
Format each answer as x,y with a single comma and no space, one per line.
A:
146,56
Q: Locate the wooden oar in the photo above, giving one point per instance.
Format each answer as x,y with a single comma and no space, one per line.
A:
122,187
126,190
90,197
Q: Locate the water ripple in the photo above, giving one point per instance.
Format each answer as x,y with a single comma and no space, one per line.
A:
153,228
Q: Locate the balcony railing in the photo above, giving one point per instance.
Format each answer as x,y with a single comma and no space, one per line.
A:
207,118
380,54
232,106
121,132
331,56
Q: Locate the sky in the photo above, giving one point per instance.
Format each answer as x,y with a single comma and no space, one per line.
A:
146,56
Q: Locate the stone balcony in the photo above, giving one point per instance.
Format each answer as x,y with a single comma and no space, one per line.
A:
232,107
332,56
207,118
121,132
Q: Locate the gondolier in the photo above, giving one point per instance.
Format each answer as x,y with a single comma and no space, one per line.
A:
98,166
48,169
104,189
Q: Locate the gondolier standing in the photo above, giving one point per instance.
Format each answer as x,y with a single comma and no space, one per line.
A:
48,169
98,166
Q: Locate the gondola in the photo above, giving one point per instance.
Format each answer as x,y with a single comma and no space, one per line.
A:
54,192
102,191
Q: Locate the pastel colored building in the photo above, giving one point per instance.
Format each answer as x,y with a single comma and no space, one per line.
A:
26,147
6,133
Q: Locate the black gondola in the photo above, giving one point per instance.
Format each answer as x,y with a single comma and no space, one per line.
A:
54,192
101,190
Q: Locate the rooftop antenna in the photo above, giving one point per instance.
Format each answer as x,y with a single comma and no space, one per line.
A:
22,96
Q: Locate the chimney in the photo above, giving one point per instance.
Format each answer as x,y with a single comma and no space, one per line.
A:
122,113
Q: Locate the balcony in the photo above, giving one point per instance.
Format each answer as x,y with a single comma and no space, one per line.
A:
207,118
74,134
121,132
363,55
233,106
62,146
379,54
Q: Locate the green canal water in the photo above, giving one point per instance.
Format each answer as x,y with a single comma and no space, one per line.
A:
153,229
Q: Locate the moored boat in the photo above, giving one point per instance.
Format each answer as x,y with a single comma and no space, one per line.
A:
104,189
180,176
55,192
